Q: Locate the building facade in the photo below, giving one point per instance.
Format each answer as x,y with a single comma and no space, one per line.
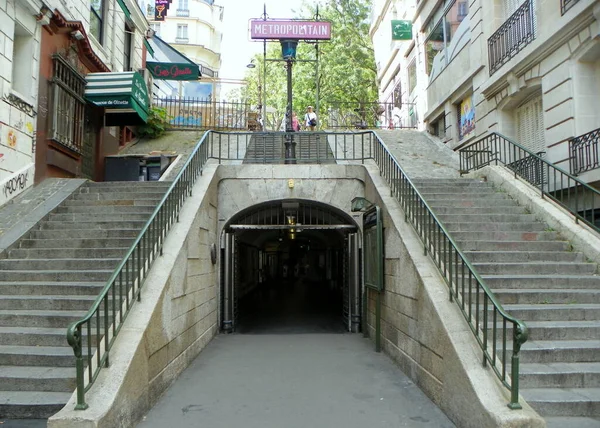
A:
193,28
51,124
528,69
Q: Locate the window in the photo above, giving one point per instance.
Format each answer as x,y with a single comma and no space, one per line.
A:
441,30
127,48
68,105
530,124
183,4
397,96
156,27
412,76
182,33
97,19
22,61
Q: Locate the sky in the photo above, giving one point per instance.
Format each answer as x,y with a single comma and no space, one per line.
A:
236,48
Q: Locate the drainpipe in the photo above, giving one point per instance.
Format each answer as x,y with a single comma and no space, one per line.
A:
112,50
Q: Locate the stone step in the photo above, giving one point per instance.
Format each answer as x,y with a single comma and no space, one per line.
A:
73,253
535,268
31,404
105,209
492,245
76,234
89,225
53,356
125,195
495,226
484,213
560,375
450,181
469,217
56,264
559,351
554,312
37,336
510,282
37,378
561,330
428,188
546,296
138,202
81,217
46,302
573,421
79,243
563,401
39,318
51,288
83,275
465,195
523,256
486,205
115,185
504,236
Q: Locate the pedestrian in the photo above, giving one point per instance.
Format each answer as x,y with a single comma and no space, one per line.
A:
310,118
295,122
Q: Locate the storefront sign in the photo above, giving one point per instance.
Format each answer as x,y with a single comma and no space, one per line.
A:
171,71
401,30
300,30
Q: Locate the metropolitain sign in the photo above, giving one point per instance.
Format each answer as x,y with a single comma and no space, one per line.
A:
300,30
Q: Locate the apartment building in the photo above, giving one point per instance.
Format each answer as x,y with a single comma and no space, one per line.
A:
528,69
194,29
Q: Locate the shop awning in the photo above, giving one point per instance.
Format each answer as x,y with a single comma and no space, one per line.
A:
123,95
169,64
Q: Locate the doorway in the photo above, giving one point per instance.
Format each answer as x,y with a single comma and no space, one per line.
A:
290,266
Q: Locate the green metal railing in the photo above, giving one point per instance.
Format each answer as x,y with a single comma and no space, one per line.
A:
580,199
485,316
93,336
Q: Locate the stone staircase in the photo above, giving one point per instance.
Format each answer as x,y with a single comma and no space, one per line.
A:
270,148
539,279
50,278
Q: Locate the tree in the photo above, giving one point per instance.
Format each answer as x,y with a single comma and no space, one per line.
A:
347,71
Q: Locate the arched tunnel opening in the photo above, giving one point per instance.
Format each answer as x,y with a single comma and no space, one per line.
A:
290,266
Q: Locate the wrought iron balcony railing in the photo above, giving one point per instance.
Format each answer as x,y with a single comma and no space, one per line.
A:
512,36
583,152
182,40
565,5
183,13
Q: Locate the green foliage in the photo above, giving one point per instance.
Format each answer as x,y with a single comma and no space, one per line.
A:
346,68
158,122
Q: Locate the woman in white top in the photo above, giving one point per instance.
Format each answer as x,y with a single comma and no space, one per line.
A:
310,118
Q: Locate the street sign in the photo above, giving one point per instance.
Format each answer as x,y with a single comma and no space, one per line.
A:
401,30
287,29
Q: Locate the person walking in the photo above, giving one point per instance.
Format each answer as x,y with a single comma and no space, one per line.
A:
310,118
295,122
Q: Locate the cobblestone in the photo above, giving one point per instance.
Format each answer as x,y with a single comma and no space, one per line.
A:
420,155
19,214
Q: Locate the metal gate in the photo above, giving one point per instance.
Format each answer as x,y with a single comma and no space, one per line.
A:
230,274
351,285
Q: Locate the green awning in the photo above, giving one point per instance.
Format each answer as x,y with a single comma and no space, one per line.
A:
123,95
169,64
148,47
125,9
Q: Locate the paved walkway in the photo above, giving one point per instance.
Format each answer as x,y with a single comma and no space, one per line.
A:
293,380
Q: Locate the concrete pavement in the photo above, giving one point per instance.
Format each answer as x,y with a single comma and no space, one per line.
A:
293,380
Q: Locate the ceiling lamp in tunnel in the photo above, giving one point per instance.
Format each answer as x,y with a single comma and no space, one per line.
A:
291,220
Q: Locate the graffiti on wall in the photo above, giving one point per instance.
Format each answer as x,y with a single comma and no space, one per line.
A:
16,184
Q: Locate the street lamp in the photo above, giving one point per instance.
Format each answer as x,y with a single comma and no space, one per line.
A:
288,53
259,105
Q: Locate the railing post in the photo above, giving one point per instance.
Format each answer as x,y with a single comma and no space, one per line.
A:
520,335
74,340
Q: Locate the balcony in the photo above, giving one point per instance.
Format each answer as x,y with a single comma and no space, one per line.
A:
584,152
184,13
512,36
182,40
566,5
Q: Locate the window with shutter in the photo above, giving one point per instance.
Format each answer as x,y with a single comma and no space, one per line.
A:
530,125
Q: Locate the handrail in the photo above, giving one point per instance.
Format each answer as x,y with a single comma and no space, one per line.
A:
583,151
465,285
571,193
111,307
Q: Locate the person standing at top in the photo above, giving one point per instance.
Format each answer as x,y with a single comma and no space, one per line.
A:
295,122
310,118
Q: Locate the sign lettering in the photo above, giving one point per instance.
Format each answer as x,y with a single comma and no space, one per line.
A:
300,30
166,71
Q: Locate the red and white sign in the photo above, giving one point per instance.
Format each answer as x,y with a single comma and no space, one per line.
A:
300,30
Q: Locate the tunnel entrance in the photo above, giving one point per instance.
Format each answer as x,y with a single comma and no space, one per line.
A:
290,266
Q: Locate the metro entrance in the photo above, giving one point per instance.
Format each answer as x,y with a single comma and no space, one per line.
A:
290,266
